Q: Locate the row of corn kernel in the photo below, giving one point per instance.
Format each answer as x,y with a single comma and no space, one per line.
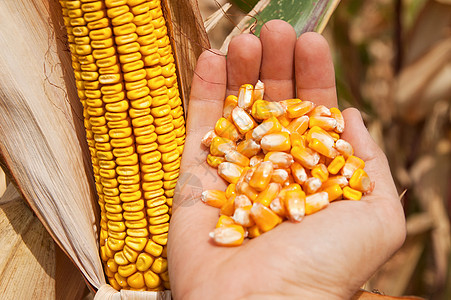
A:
118,119
283,160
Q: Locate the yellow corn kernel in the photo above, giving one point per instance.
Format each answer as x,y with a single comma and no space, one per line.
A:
334,191
320,110
259,90
126,271
253,231
336,164
284,120
245,94
242,215
136,280
336,114
268,194
261,176
305,156
226,129
312,185
298,172
151,279
340,180
279,176
231,190
352,164
268,126
298,125
244,188
256,159
264,217
320,171
344,148
321,148
214,198
242,201
360,181
294,202
351,194
219,145
299,109
325,123
214,161
316,202
276,142
231,235
298,140
229,104
236,157
242,120
229,207
120,280
230,172
262,109
224,221
278,207
248,148
280,160
159,265
320,134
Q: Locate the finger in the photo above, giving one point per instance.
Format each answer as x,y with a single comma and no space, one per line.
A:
278,39
315,75
243,62
205,106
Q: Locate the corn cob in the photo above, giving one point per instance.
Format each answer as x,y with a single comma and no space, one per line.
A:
282,161
126,79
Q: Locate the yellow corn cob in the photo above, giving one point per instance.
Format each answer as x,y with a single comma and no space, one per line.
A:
125,75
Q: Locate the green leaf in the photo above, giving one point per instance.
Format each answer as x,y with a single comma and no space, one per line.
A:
303,15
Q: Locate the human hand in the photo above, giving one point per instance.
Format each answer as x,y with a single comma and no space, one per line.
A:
328,255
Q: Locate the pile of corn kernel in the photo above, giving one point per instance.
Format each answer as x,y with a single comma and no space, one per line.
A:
282,160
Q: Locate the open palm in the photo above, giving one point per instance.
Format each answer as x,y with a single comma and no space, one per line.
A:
326,256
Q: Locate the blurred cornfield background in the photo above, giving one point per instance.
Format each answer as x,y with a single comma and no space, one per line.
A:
393,62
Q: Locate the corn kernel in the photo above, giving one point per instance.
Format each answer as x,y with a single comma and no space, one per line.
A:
320,171
214,198
351,194
276,142
229,104
352,164
299,109
360,181
229,171
268,126
242,120
226,129
242,216
336,114
268,194
245,94
334,191
305,156
264,218
231,235
224,221
262,176
262,109
336,164
280,160
316,202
